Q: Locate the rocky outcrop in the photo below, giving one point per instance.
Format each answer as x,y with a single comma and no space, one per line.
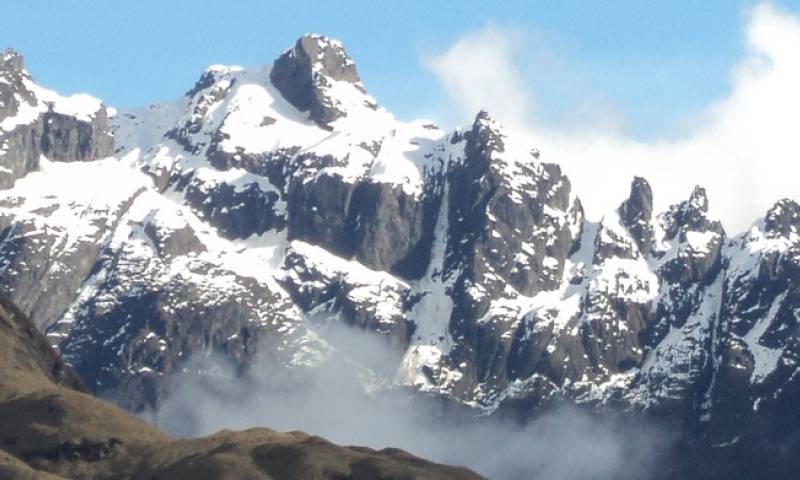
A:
57,137
379,224
156,298
511,221
700,239
319,212
31,127
12,89
783,219
393,230
511,224
235,211
207,93
636,214
325,287
49,245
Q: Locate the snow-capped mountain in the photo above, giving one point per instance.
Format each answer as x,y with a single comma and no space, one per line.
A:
265,204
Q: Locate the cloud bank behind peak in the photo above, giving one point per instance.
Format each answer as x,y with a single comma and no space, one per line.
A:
744,148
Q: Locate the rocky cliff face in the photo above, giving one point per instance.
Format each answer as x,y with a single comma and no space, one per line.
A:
35,122
248,215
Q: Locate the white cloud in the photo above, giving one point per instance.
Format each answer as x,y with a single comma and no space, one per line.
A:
335,400
744,149
479,72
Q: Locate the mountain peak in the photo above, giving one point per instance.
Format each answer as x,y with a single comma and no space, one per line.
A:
12,61
783,218
328,56
698,200
12,86
636,212
640,200
691,214
485,133
483,115
306,73
210,76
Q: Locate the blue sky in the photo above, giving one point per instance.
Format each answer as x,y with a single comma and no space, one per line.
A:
653,63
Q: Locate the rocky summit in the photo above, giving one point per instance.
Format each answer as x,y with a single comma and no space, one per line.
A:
248,215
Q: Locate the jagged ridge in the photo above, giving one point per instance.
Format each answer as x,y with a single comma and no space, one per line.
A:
275,196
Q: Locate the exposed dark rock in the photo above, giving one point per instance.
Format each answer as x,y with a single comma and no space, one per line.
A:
183,134
43,270
701,239
501,236
636,214
172,243
152,328
58,137
393,229
610,243
315,291
12,74
497,233
274,165
206,80
236,212
783,218
319,213
690,215
488,224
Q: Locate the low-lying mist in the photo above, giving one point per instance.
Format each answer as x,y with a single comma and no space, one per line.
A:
349,404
